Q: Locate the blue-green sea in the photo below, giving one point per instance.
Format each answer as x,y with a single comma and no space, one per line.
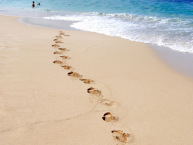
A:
166,23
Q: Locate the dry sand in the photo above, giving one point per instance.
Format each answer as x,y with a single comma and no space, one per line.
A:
41,105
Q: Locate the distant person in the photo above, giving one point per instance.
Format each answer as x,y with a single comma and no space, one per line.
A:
33,4
38,4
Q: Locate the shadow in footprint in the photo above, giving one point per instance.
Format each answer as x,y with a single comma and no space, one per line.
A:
58,41
108,117
58,62
63,49
57,52
74,74
55,45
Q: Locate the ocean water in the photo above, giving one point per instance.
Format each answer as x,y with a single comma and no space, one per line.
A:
167,23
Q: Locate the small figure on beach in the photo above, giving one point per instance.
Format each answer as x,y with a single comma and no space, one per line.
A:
38,4
33,4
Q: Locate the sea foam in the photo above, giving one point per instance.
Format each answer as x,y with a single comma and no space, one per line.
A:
175,33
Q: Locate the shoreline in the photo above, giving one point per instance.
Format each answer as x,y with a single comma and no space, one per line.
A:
167,55
65,25
41,104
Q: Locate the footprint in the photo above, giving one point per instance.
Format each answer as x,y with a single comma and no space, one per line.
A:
120,136
58,41
93,91
62,33
108,102
74,74
65,57
87,81
55,45
66,67
108,117
58,36
62,49
57,52
57,62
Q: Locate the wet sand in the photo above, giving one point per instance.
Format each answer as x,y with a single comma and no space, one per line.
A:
181,62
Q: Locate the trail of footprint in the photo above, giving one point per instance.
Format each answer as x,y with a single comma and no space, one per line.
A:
60,52
118,135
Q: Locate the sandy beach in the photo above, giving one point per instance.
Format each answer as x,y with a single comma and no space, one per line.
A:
41,103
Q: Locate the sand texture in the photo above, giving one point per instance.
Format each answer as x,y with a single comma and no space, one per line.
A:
80,88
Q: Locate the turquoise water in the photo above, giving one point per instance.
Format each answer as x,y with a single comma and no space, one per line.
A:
163,22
